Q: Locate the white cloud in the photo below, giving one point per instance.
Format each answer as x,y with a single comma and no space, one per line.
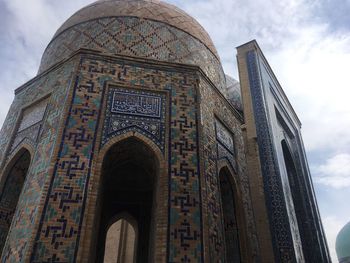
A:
335,172
310,62
313,71
25,30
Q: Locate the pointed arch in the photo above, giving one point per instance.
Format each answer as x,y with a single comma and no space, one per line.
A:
12,181
233,214
160,196
12,159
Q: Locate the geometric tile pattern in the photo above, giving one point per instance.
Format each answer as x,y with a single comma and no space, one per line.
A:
132,36
30,125
274,195
135,110
10,194
57,83
33,115
28,135
145,9
69,172
61,219
213,108
57,239
226,148
185,209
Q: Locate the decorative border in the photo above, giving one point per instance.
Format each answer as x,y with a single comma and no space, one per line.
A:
75,158
225,144
140,100
118,122
279,223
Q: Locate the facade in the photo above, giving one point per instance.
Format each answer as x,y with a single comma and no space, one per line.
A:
131,145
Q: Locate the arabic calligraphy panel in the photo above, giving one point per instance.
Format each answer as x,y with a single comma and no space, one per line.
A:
136,104
135,110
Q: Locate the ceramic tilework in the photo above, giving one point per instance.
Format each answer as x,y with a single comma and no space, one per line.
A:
58,236
135,37
28,135
10,194
280,228
30,125
144,9
23,225
135,110
33,115
33,92
225,144
212,103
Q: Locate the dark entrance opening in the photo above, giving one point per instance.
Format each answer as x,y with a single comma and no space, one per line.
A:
129,175
11,191
298,201
229,209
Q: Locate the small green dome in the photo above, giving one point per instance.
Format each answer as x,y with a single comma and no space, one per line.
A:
342,244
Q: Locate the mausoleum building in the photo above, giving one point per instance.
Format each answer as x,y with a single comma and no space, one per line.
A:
132,145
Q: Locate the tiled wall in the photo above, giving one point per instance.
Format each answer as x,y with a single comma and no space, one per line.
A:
214,112
10,193
55,85
58,236
109,98
135,37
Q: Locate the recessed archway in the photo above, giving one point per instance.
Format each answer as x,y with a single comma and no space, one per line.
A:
128,185
14,177
298,202
230,216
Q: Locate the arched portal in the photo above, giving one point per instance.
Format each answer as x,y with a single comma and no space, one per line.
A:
14,177
129,176
229,210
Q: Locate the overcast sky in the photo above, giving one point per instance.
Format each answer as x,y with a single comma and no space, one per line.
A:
307,43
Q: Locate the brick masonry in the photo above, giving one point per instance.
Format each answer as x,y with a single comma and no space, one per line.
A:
53,86
132,36
173,96
106,79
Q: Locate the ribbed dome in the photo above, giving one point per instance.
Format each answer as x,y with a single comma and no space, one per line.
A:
138,28
148,9
342,244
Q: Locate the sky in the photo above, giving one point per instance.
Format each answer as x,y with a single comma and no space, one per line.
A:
307,43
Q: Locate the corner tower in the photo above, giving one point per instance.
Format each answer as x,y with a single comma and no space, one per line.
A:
128,119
